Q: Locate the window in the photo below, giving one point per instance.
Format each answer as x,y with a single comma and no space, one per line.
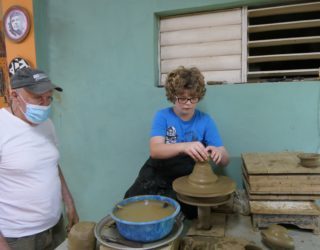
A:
284,42
210,41
269,43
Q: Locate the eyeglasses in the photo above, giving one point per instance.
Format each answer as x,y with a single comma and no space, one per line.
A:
184,100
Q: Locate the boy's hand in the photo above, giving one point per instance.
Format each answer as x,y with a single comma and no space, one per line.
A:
196,151
219,155
215,153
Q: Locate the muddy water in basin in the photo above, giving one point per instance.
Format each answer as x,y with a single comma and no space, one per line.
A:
144,211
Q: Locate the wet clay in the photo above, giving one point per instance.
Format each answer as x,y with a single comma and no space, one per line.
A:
144,211
309,160
204,189
203,182
277,237
216,243
81,236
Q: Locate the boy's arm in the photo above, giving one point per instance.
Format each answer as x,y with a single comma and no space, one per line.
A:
160,150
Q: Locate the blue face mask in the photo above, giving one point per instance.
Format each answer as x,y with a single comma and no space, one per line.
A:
36,114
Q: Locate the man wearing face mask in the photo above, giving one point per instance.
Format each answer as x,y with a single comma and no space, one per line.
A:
32,186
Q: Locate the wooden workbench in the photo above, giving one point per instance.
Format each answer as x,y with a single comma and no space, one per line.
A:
279,176
281,191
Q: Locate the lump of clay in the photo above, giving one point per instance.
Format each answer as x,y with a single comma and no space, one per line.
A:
81,236
309,160
276,237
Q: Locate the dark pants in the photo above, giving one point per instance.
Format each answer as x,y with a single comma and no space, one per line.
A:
46,240
156,177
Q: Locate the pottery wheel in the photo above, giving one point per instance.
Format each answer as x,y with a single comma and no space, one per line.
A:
221,187
204,202
204,189
107,235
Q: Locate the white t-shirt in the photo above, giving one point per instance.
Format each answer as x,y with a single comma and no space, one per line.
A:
30,188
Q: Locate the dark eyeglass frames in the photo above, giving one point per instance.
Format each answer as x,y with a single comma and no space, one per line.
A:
184,100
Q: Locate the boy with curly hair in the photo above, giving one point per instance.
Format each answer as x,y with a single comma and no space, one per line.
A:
180,135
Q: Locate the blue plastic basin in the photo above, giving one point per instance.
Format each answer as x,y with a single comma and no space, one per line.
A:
146,231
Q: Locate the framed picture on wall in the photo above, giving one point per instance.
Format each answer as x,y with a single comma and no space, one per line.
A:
16,23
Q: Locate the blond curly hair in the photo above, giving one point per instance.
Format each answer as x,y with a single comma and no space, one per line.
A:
185,79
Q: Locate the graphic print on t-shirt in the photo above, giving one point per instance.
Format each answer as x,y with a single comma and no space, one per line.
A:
171,136
190,136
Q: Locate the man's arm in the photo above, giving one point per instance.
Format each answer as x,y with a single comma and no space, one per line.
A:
3,243
71,211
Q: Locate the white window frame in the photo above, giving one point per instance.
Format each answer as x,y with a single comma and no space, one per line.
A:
215,75
210,41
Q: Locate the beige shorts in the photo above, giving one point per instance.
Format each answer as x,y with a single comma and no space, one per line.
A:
46,240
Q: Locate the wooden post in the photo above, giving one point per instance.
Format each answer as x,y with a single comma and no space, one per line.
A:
24,49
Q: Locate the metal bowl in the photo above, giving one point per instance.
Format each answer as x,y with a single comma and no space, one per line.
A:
148,231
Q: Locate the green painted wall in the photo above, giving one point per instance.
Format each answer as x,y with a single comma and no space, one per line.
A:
103,53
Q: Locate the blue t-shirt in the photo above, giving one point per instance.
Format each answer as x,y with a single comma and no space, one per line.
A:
200,127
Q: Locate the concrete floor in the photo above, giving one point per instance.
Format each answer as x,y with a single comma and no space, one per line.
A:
240,226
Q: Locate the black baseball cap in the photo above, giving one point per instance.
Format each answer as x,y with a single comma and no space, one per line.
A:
34,80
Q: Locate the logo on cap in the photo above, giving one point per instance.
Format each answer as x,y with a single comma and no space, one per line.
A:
39,76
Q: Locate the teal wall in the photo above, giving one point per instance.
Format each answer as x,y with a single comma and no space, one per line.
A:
104,53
